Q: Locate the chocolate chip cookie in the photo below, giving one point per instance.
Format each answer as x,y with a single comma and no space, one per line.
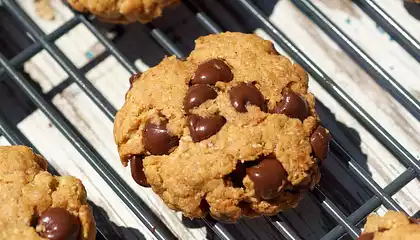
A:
36,205
231,131
393,225
123,11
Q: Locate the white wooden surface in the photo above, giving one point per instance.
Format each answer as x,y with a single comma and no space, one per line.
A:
112,80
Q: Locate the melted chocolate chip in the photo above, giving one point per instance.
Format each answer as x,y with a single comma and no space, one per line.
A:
366,236
204,206
197,95
203,128
320,141
158,140
212,71
134,77
415,220
243,94
136,165
237,175
58,224
268,176
293,105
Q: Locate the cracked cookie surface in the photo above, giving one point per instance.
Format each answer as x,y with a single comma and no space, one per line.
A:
37,205
123,11
231,131
393,225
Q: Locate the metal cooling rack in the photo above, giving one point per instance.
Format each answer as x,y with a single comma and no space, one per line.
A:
346,223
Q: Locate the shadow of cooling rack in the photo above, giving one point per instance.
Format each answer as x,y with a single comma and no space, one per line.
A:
344,221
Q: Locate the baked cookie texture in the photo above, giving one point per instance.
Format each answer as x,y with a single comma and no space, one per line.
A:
123,11
393,225
36,205
231,130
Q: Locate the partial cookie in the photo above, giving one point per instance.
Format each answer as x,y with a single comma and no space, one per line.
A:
36,205
123,11
393,225
231,130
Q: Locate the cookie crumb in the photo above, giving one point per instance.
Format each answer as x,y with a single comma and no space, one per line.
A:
44,9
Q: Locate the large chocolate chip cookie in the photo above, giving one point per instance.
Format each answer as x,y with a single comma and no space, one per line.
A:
231,131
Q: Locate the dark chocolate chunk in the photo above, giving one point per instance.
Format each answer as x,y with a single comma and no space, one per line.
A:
197,95
366,236
202,128
58,224
246,93
268,176
320,142
293,105
136,165
157,139
212,71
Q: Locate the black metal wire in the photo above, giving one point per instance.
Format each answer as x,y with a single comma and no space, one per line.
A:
164,41
346,224
361,174
383,78
398,33
12,136
372,204
109,45
202,17
35,48
61,59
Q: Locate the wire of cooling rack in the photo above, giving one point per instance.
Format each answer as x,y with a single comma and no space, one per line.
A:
397,32
346,224
384,79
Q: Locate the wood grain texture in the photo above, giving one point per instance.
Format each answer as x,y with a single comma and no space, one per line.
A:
309,219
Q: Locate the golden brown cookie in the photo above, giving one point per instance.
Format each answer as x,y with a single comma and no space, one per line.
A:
231,130
393,225
36,205
123,11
